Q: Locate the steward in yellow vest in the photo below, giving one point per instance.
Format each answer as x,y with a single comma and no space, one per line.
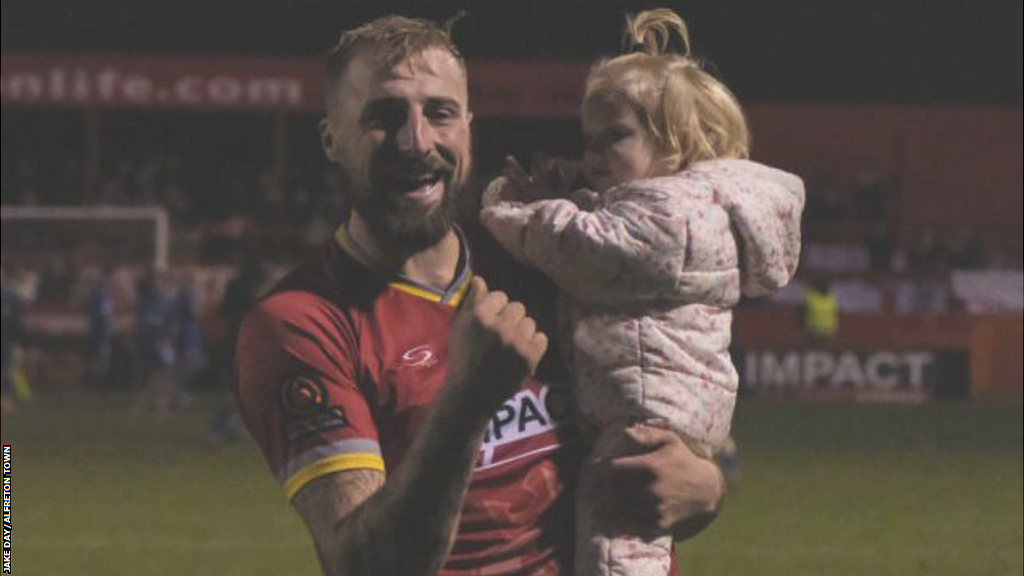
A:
821,311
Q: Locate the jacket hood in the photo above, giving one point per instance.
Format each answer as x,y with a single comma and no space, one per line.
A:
764,205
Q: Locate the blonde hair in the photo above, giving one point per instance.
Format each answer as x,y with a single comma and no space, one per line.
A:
393,39
690,113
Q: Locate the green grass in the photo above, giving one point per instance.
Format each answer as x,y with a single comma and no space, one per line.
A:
845,489
100,491
825,489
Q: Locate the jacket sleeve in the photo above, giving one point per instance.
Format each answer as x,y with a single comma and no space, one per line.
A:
631,248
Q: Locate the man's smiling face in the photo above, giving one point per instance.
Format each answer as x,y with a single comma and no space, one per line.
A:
401,137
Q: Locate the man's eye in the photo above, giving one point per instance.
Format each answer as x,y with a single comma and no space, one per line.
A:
442,113
384,116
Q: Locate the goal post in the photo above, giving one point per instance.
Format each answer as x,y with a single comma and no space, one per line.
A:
70,226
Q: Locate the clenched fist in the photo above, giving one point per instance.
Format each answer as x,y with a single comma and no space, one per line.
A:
493,346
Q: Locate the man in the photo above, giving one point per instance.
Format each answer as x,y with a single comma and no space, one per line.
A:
99,312
821,311
154,337
13,337
240,294
390,389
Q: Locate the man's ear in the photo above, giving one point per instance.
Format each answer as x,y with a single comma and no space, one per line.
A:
327,139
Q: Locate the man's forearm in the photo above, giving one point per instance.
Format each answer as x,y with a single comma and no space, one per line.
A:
406,528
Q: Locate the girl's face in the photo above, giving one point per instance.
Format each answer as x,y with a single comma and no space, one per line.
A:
617,147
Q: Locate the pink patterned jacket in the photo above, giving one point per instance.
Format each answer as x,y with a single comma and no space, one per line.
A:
649,273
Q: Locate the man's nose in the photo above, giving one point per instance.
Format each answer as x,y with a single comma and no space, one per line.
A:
415,136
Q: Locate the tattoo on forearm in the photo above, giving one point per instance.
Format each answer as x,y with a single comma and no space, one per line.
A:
360,524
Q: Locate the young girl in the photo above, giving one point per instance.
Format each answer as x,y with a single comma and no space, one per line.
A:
673,226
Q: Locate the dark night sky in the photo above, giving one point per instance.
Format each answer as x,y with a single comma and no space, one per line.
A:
899,51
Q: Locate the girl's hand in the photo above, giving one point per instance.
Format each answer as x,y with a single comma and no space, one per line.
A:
549,177
522,187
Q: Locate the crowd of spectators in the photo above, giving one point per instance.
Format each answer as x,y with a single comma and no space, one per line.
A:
852,241
863,213
239,205
211,211
217,208
161,334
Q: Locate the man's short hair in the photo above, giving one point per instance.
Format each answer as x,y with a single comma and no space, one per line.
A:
393,39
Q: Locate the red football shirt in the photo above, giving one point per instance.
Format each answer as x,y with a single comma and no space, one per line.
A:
336,370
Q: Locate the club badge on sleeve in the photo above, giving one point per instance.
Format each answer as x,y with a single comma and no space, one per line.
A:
304,403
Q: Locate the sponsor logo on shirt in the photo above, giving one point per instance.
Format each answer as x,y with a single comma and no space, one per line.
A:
304,402
527,415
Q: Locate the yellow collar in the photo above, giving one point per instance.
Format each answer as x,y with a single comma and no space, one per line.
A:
451,296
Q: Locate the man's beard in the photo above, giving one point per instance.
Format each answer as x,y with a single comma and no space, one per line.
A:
396,222
407,228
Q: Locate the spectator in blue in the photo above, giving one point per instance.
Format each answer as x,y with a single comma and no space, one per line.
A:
99,312
188,333
155,339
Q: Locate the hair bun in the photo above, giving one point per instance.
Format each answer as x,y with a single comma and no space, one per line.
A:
651,31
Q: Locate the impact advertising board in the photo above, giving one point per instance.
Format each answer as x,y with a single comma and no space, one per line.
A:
862,375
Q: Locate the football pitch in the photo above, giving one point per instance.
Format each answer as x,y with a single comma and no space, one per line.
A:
824,489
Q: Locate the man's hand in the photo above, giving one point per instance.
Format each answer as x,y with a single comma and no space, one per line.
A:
661,486
358,520
494,345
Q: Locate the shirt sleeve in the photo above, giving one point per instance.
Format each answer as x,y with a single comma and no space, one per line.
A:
296,366
631,248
